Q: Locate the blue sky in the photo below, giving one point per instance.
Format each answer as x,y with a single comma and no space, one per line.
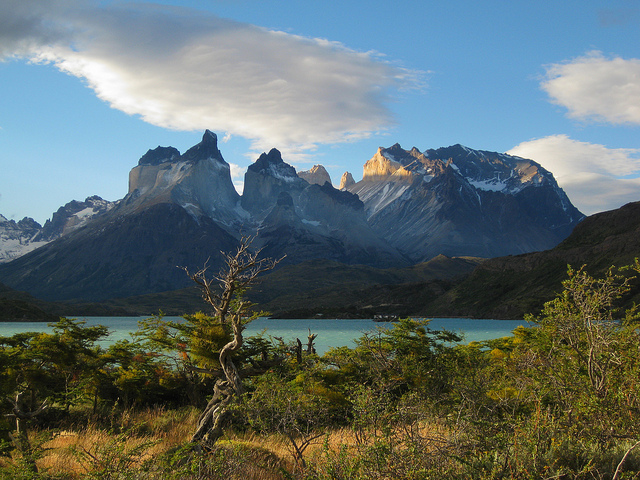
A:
88,87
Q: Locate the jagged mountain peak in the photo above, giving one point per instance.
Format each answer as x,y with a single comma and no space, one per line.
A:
393,151
265,160
384,164
346,181
272,165
316,175
265,179
199,181
493,171
28,223
459,201
73,215
411,160
205,150
159,155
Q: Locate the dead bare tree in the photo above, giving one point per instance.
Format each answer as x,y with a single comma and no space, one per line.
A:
224,293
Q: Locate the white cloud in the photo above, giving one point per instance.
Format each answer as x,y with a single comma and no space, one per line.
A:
597,88
186,70
589,173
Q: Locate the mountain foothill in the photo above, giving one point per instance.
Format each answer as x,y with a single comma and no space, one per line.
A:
423,233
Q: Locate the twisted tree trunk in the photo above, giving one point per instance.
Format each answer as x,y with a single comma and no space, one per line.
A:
223,292
211,420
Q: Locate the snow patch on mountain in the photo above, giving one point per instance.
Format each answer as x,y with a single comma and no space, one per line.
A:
313,223
18,238
377,197
11,248
460,201
492,185
281,173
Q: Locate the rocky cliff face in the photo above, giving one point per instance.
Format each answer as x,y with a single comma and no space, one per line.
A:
458,201
308,221
199,181
265,180
346,180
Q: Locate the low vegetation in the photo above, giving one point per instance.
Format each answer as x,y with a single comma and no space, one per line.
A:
557,400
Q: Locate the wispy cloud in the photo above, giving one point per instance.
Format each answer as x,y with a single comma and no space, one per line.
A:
590,174
594,87
186,70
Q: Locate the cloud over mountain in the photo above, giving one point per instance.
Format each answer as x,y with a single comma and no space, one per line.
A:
591,174
187,70
594,87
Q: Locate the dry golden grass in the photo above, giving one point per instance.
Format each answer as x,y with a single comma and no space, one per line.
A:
152,433
149,434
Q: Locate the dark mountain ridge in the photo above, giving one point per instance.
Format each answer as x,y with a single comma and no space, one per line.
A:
182,210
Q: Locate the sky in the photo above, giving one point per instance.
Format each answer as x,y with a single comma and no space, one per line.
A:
87,87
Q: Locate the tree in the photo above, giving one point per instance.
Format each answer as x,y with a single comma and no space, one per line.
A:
584,331
224,293
298,409
407,355
41,372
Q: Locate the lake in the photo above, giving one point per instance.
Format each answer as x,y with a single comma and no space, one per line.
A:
331,332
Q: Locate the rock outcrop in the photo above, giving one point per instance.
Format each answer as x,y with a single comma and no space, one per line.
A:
318,175
346,180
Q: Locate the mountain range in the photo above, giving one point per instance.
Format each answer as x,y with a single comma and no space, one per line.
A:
181,210
506,287
503,287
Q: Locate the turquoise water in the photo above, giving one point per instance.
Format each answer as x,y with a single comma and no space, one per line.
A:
331,333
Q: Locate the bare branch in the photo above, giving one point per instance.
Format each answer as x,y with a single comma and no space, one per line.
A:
241,270
619,468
